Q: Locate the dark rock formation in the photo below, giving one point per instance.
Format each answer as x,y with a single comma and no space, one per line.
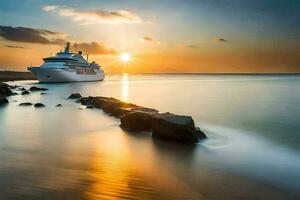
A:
39,105
111,106
34,88
137,121
21,89
75,96
59,105
3,101
26,104
200,134
4,90
25,92
167,126
90,107
43,93
177,128
12,87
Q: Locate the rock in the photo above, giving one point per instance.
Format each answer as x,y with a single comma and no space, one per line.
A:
90,107
200,134
137,121
25,92
59,105
4,90
21,89
143,109
26,104
3,101
13,87
75,96
112,106
14,93
86,101
34,88
43,93
39,105
175,128
167,126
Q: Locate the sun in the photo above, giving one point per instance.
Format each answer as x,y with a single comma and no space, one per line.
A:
125,57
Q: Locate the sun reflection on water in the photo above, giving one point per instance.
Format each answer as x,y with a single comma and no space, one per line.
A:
125,87
112,173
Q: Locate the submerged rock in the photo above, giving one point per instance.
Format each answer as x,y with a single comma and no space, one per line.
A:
25,92
59,105
26,104
43,93
34,88
39,105
75,96
3,101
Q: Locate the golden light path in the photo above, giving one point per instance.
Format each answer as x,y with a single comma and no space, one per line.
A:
125,88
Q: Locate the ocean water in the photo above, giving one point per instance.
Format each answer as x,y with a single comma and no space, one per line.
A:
70,152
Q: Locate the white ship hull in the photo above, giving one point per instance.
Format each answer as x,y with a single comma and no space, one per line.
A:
67,66
45,75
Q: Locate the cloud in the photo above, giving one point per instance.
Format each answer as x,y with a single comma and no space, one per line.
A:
95,16
191,46
31,35
149,40
217,39
16,47
49,8
94,48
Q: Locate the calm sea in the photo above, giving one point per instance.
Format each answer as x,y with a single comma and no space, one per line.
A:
252,150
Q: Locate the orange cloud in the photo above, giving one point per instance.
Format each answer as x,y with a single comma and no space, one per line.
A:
149,39
95,16
94,48
14,46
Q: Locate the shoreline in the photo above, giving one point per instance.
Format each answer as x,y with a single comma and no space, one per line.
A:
16,76
24,75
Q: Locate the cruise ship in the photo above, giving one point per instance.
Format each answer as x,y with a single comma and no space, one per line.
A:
67,66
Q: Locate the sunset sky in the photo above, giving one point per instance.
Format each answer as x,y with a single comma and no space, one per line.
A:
160,35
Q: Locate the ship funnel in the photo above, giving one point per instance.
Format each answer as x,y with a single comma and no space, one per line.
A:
67,48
